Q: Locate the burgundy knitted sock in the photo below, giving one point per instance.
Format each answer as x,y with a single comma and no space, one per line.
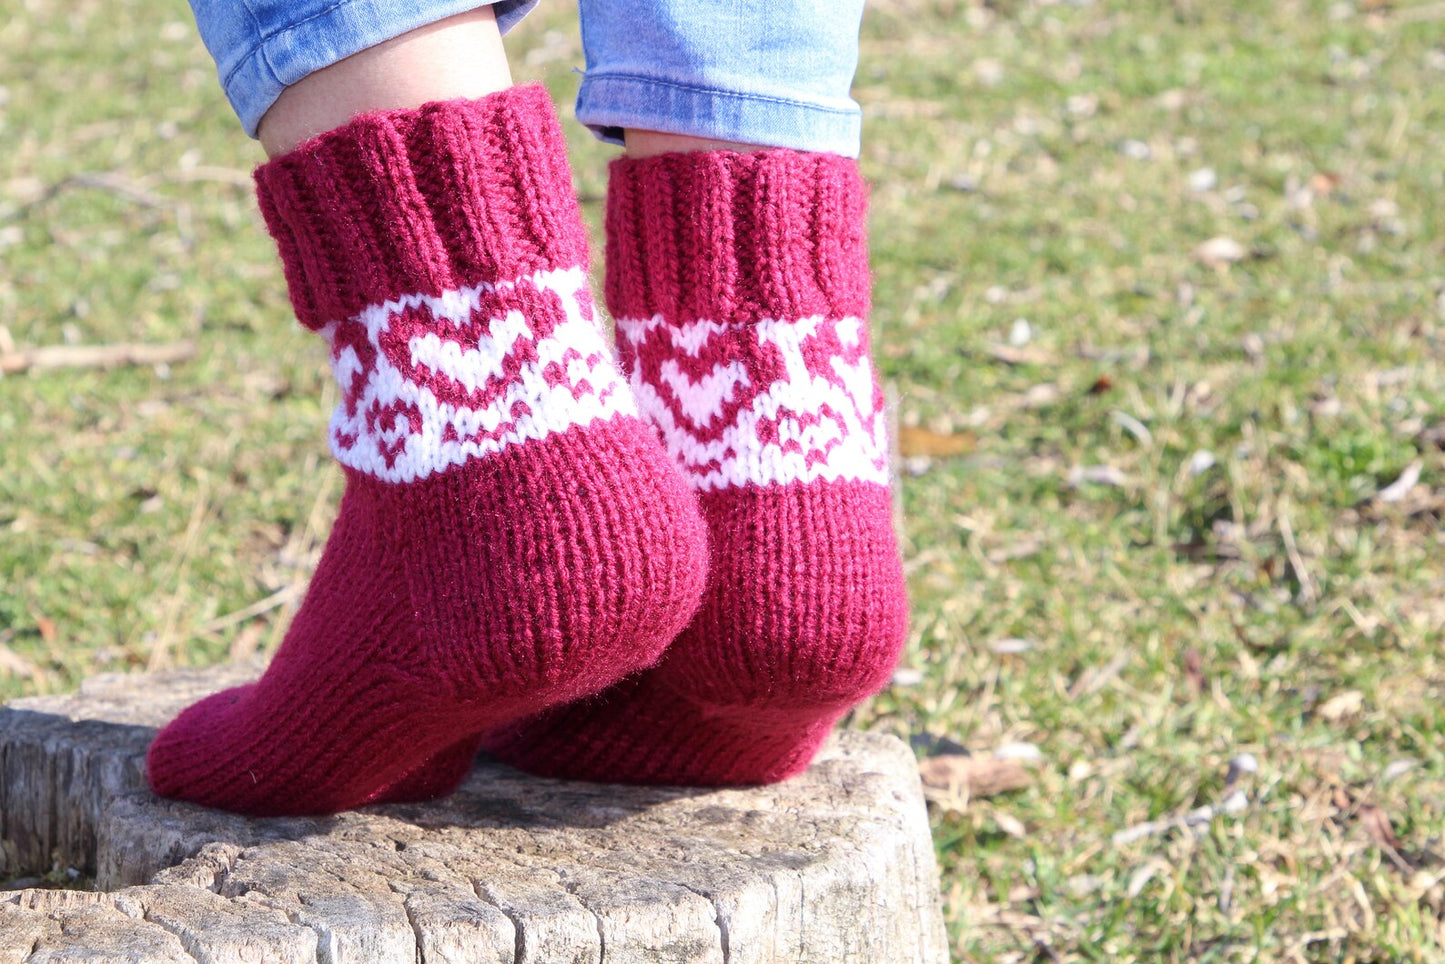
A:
740,285
511,535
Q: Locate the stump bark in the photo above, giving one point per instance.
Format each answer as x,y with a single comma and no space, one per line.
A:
834,866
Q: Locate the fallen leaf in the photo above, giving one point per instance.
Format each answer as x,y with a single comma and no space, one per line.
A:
1018,550
46,625
976,776
1140,878
1018,751
1019,355
1341,705
1172,99
1297,195
1020,893
1095,678
989,72
1135,149
1020,333
1082,885
915,464
1234,804
1396,769
1401,487
1221,251
24,190
1238,766
1010,825
1376,824
1194,672
1204,179
1079,475
1133,426
1383,209
913,440
1040,395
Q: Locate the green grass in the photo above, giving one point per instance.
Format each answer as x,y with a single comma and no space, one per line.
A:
1030,160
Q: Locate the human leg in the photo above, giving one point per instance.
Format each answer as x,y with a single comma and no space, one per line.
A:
511,534
460,56
740,286
264,48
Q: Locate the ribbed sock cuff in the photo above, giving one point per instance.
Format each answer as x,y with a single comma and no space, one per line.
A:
729,237
422,201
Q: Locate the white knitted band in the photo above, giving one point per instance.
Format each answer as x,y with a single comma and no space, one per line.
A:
463,386
763,403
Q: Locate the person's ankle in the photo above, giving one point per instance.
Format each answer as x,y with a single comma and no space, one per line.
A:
652,143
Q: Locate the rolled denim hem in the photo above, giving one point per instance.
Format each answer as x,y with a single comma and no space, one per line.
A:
254,78
612,103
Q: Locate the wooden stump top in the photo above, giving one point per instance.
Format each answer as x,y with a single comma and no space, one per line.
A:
834,866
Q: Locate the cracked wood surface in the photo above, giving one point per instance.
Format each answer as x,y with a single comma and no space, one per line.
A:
834,866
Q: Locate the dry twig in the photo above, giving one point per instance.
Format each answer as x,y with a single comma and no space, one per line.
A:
973,776
94,356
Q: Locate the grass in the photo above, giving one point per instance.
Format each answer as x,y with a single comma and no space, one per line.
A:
1170,493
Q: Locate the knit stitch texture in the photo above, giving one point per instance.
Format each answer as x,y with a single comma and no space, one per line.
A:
740,287
511,535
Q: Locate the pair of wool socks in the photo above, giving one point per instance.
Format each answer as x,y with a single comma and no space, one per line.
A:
524,534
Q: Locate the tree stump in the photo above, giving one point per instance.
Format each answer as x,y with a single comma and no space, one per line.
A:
834,866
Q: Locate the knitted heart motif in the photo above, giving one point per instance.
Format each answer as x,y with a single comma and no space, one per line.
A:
430,382
768,402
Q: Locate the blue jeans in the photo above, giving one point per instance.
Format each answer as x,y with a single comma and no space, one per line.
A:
772,72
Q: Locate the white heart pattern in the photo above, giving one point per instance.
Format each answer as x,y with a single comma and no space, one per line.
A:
430,382
762,403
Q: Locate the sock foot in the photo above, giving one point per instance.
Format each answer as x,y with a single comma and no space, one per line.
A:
642,732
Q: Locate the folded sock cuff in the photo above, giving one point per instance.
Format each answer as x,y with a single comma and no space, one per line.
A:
737,237
421,201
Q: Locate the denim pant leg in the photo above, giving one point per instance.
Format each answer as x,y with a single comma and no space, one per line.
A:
263,46
770,72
